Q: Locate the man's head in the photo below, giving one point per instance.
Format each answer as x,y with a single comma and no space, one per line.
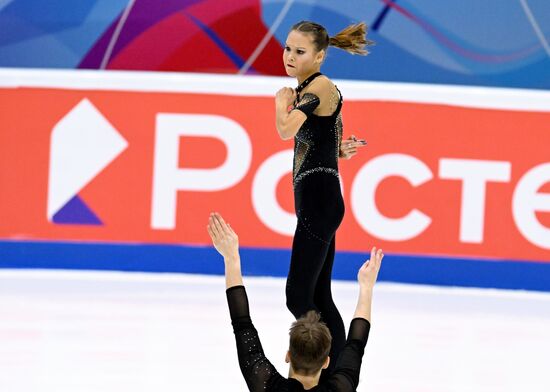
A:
309,346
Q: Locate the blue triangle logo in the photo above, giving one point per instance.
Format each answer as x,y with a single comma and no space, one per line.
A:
76,212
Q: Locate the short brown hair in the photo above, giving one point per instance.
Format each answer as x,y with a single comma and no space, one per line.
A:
352,39
310,342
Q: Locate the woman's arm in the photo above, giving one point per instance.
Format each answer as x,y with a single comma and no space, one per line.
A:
288,123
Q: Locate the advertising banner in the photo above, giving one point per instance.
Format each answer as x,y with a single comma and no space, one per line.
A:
450,176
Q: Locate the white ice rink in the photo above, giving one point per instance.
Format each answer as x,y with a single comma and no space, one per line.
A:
103,331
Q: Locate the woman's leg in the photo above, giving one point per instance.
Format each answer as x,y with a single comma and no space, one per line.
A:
306,264
320,209
329,313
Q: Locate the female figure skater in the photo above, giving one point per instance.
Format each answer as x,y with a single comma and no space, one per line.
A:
311,114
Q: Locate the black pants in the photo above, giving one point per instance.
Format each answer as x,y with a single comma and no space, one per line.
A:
320,209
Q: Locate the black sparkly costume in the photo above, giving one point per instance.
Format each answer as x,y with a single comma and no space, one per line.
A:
319,208
261,375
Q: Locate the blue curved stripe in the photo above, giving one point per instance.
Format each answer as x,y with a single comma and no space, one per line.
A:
234,57
381,17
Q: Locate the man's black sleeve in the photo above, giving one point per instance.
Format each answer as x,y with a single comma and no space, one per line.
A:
258,372
345,377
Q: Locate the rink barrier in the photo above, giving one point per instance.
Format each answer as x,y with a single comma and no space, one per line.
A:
431,270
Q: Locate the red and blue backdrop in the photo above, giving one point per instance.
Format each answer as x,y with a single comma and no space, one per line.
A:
485,43
119,170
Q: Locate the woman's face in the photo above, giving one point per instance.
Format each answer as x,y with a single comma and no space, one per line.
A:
300,56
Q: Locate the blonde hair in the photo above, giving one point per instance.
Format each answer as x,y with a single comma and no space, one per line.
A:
352,39
310,342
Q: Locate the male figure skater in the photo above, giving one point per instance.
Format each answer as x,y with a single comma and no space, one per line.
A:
309,337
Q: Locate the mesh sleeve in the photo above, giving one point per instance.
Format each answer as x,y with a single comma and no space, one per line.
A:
258,372
345,376
308,103
359,330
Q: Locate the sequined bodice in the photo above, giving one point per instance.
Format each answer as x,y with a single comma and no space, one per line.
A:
317,143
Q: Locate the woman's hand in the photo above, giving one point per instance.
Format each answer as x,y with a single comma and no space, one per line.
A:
349,146
285,97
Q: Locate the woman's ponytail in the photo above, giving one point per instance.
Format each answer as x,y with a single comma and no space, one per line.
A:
352,39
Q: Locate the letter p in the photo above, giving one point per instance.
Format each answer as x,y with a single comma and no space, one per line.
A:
169,178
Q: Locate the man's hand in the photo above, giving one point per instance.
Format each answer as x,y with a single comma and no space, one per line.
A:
349,146
224,239
368,272
367,278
